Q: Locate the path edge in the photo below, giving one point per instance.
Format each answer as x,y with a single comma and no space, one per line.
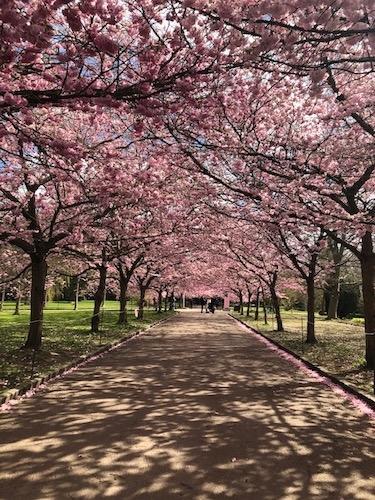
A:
32,387
367,400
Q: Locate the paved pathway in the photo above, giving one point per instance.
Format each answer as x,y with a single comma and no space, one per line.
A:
196,409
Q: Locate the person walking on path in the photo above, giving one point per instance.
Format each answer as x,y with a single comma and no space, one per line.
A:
210,308
202,302
208,305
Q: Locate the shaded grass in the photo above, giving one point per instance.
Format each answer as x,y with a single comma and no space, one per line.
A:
66,337
340,349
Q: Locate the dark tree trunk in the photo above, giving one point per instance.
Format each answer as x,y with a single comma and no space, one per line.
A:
248,309
276,308
2,300
76,294
256,317
160,300
337,252
310,338
334,295
123,315
38,290
264,308
166,302
368,289
171,302
240,295
125,275
248,302
99,298
18,304
141,302
333,290
324,303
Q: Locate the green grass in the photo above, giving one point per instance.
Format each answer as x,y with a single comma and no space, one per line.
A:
340,349
66,336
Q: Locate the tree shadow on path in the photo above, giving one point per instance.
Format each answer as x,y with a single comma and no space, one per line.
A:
195,409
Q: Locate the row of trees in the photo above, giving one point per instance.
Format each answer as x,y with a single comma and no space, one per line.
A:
172,126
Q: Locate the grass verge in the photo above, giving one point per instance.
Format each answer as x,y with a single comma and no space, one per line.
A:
66,337
339,351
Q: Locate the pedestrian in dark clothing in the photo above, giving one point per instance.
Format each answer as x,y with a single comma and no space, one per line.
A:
202,303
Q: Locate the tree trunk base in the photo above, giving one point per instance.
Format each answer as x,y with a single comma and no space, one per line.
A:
311,341
27,347
370,352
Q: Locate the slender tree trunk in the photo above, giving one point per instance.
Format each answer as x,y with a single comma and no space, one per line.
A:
2,298
248,302
38,290
166,302
334,291
256,317
76,294
310,338
160,300
334,295
323,308
141,302
171,302
240,295
337,252
123,315
99,298
18,304
368,289
276,308
264,308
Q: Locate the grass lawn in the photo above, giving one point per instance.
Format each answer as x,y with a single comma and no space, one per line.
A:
66,337
339,351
